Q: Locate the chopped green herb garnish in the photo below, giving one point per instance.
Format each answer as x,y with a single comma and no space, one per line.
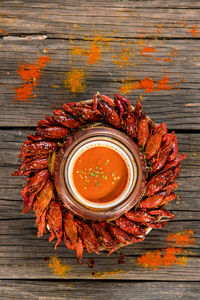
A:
93,174
96,182
97,168
82,172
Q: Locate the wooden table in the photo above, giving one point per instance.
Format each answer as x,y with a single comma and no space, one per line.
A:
122,30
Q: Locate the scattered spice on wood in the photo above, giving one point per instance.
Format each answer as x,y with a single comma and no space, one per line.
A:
159,26
160,258
93,54
182,238
75,81
171,255
57,267
107,273
146,50
193,30
147,84
30,73
124,57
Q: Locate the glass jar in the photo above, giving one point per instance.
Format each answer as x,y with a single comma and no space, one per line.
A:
99,136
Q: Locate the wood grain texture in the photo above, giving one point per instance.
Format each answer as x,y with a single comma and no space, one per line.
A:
127,18
113,290
167,28
168,106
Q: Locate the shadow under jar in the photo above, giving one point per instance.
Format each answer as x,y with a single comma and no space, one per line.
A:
99,173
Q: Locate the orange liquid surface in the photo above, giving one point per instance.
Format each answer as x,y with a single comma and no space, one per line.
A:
100,174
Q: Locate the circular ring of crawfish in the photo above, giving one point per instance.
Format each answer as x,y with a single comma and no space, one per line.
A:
39,153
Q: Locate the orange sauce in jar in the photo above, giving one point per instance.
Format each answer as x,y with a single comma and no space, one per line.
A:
100,174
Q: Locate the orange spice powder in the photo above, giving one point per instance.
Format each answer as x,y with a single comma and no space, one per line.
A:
93,54
193,31
147,84
146,50
169,256
124,57
57,267
161,258
30,73
181,238
75,81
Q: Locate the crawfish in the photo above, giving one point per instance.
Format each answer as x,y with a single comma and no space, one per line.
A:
175,162
160,160
70,228
78,247
41,223
55,132
88,114
45,123
39,148
138,109
170,187
143,130
161,213
153,201
157,225
173,148
54,221
102,97
68,121
110,114
123,104
126,115
88,238
154,142
33,187
168,198
72,240
43,199
29,166
140,216
129,226
35,138
107,240
83,112
158,181
119,234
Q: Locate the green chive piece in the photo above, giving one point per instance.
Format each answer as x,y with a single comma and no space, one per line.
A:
93,174
97,168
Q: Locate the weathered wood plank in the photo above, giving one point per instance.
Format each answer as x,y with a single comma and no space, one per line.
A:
26,258
113,290
131,19
178,107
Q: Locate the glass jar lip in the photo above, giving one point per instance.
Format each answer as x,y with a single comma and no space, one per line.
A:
97,132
